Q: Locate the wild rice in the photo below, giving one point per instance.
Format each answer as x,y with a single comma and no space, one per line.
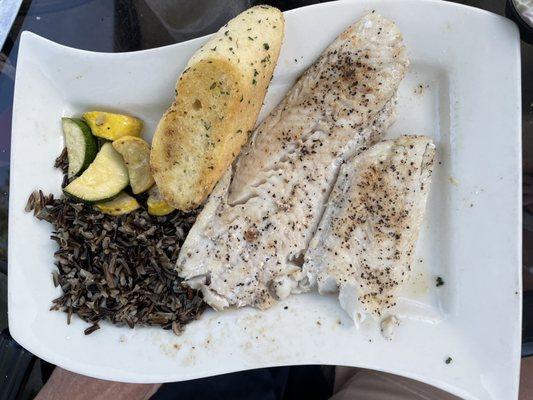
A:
119,269
62,163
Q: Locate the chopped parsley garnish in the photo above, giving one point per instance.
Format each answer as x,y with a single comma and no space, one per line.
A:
266,46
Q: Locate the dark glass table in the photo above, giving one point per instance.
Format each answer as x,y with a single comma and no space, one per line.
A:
127,25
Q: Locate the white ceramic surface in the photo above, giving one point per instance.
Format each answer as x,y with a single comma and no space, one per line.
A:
463,89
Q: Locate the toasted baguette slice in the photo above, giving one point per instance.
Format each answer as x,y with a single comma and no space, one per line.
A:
219,96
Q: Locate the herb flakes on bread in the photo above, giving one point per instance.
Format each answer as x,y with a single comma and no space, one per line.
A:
219,96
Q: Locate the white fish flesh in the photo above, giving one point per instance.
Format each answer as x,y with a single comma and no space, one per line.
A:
248,244
365,242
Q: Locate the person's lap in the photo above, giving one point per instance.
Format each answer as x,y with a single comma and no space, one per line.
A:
309,382
364,384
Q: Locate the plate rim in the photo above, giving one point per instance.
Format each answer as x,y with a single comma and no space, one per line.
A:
27,36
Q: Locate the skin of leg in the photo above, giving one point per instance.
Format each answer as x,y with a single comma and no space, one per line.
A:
526,379
68,385
347,387
374,385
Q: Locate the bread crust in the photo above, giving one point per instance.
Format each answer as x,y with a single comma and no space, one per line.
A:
218,98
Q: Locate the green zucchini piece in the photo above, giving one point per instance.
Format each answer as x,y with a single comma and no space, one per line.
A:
81,145
105,178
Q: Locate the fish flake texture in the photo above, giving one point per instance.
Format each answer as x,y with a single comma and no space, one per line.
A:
248,245
365,242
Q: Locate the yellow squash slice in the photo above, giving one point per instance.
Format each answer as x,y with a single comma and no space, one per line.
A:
120,205
136,154
156,205
112,126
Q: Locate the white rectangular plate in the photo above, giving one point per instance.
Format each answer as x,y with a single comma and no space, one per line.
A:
463,89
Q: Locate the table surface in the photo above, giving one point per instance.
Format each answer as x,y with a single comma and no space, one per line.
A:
127,25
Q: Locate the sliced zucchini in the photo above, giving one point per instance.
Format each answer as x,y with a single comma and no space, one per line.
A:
112,126
136,154
156,205
120,205
105,178
81,145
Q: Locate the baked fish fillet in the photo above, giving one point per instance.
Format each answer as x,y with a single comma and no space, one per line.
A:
248,242
365,242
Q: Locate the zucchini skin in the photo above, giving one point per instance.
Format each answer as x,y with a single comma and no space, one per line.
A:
80,200
91,145
105,178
